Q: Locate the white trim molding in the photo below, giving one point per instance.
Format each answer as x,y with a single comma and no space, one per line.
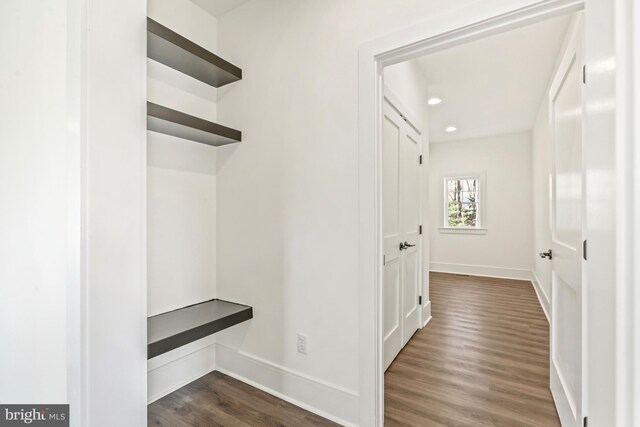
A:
481,210
545,302
481,270
462,230
402,109
328,400
177,368
426,313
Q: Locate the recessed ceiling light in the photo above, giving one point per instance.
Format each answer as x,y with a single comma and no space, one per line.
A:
434,101
451,129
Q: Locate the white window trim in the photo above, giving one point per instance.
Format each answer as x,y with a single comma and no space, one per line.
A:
462,230
482,203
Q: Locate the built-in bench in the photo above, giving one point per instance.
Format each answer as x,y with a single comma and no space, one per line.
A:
168,331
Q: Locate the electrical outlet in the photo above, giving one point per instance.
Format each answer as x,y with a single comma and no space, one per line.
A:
302,344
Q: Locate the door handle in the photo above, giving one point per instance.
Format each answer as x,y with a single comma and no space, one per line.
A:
402,247
405,245
547,254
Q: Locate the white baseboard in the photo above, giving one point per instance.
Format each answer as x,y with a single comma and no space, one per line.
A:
170,371
427,321
545,303
426,313
481,270
330,401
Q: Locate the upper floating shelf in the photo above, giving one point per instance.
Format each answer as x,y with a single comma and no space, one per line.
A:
168,331
175,123
172,49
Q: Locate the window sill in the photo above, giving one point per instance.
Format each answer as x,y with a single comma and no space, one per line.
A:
462,230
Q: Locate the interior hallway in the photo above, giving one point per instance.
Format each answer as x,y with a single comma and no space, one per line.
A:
483,360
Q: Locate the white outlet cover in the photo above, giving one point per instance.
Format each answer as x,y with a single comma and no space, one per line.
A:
302,343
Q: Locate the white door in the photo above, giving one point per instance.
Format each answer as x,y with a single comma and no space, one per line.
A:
400,224
410,223
567,207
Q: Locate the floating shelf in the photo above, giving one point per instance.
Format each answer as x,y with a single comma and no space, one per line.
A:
168,331
175,123
173,50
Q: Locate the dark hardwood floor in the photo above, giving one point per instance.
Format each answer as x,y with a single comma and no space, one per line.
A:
483,360
219,400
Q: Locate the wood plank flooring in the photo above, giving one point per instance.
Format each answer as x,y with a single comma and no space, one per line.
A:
219,400
483,360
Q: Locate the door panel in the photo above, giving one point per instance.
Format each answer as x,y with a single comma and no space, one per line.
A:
390,178
566,230
410,277
401,216
392,332
567,344
410,149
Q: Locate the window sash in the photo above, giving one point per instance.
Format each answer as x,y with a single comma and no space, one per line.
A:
448,188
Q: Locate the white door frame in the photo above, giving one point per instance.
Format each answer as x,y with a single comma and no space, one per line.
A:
453,29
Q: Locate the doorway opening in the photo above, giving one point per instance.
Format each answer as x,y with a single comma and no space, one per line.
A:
500,181
457,203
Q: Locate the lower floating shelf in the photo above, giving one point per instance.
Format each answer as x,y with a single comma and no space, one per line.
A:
168,331
175,123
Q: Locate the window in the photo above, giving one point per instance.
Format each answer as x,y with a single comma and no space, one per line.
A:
463,203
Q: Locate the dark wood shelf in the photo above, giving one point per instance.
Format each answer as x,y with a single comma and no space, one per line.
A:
175,123
175,51
168,331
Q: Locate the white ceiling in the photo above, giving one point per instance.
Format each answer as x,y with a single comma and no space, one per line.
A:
219,7
493,85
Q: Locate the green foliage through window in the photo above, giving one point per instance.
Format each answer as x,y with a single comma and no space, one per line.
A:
462,202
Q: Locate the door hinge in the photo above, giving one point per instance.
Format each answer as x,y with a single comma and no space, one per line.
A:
419,229
584,422
420,159
584,249
384,260
420,300
584,74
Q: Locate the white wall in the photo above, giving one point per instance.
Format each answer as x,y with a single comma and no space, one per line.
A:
34,195
115,214
181,212
181,174
73,96
287,195
407,81
505,249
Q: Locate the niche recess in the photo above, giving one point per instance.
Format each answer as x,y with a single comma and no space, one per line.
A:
173,329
